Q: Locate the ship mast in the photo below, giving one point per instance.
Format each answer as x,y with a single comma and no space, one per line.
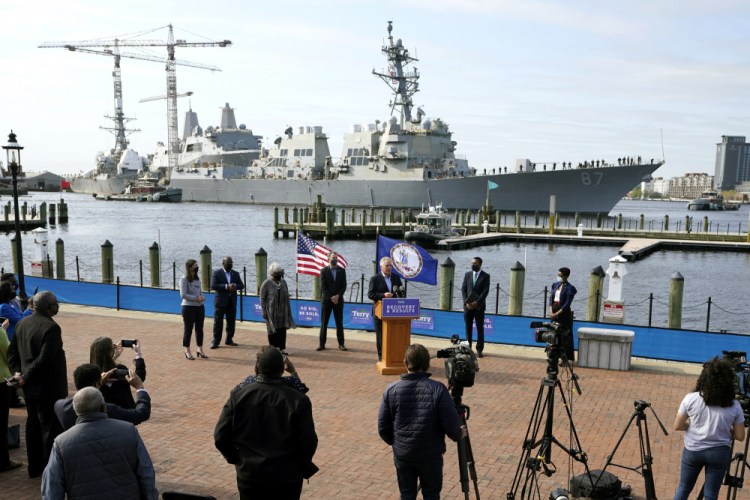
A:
402,82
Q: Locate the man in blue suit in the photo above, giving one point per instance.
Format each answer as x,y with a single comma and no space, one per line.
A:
474,291
383,285
225,283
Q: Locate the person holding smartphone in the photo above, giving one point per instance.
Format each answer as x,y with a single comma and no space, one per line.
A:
104,354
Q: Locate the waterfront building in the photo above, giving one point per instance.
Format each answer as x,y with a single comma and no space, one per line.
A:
732,162
690,185
657,185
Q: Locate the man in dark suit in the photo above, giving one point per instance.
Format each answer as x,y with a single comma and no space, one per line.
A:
382,286
560,301
37,359
225,283
333,286
474,291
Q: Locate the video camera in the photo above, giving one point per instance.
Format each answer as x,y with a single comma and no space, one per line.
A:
738,359
550,332
461,364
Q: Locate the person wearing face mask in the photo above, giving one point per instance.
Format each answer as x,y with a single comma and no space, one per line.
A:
333,286
560,300
474,290
225,283
276,306
381,287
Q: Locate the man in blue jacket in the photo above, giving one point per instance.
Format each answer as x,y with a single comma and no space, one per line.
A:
415,416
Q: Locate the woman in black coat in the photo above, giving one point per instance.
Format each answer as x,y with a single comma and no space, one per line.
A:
104,354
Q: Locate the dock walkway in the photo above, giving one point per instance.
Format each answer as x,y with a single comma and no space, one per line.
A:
346,390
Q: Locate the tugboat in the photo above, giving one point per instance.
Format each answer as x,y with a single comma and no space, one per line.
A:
146,188
711,200
432,226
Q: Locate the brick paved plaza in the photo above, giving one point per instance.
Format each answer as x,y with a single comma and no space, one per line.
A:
345,389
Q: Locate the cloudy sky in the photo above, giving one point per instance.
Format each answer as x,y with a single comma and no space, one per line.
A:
545,80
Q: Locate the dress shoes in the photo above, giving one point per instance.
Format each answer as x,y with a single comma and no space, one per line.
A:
342,347
213,346
321,348
479,354
11,466
231,342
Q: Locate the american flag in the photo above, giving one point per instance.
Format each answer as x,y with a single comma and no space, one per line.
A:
312,256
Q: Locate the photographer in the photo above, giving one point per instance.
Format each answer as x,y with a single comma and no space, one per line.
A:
415,415
711,418
104,354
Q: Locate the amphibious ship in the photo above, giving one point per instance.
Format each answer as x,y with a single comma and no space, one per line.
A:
406,161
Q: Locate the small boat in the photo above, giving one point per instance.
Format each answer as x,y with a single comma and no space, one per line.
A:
432,225
146,188
711,200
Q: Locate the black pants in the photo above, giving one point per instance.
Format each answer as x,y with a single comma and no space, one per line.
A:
338,317
42,427
469,317
4,408
193,316
230,311
250,490
278,339
378,335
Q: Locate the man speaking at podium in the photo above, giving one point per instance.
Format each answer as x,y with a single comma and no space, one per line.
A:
382,286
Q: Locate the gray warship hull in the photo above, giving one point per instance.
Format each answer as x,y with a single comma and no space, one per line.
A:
585,190
113,185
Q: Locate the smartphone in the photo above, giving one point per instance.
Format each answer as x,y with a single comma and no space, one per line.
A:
128,343
121,373
11,381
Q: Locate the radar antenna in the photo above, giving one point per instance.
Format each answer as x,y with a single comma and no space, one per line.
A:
404,83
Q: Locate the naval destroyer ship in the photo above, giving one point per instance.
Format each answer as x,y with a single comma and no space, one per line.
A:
404,162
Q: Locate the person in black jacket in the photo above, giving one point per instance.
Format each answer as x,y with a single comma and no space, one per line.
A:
104,354
37,359
266,431
225,283
88,375
474,291
332,286
415,415
382,286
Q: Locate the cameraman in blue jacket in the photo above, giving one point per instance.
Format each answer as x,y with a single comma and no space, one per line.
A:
415,416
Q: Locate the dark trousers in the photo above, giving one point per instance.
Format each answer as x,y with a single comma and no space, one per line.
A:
4,408
428,471
379,336
469,317
193,316
565,320
250,490
42,427
230,311
278,339
338,317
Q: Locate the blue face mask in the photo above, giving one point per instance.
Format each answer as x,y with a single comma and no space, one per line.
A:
334,262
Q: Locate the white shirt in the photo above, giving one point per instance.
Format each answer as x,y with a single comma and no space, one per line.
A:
710,426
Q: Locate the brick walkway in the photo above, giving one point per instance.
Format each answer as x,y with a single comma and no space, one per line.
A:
345,390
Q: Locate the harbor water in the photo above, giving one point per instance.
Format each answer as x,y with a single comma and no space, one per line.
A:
183,229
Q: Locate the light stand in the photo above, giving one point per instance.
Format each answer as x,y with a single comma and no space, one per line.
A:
13,155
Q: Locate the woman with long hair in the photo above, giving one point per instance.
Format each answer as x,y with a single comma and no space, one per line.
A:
8,310
711,417
193,311
276,306
104,354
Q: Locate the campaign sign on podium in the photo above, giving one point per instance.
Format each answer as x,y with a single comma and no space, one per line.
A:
396,315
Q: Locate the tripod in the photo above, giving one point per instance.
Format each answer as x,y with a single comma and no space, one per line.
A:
529,465
466,464
644,469
735,481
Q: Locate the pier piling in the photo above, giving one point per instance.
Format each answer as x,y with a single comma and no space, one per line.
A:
62,212
261,268
60,256
447,275
154,265
205,268
52,214
676,288
107,261
596,286
517,281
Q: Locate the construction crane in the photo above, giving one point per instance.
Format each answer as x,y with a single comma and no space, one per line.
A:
171,63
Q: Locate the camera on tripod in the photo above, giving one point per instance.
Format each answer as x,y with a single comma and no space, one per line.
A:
550,332
461,364
738,360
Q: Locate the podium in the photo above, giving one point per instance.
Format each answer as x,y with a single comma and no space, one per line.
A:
396,315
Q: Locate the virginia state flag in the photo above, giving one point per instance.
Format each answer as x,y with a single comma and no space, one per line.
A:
411,262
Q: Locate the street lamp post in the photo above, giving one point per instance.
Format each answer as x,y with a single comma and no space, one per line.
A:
13,155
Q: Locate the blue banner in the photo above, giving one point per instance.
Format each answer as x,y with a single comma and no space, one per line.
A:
411,262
